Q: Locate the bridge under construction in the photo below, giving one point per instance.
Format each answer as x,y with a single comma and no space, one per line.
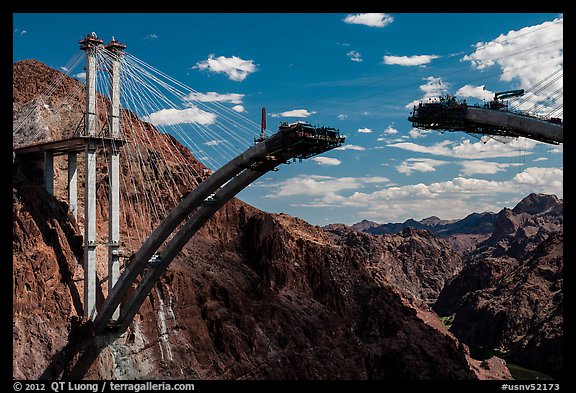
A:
129,287
494,118
106,125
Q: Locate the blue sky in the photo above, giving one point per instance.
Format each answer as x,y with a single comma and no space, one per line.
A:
360,73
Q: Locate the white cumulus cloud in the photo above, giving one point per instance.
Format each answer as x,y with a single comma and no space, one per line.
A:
419,165
433,89
418,133
168,117
527,56
451,199
370,19
479,92
294,113
467,150
317,185
472,167
351,147
414,60
354,56
234,67
536,176
365,130
327,161
212,96
238,108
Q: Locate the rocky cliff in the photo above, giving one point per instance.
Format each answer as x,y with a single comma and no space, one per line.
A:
509,295
251,296
414,261
518,231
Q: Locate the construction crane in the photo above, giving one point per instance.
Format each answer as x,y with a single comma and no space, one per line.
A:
508,94
497,103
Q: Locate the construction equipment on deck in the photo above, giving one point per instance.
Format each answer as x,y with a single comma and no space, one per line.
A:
497,102
449,114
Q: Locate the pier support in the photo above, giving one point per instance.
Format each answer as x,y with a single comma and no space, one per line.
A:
90,45
49,171
114,222
114,57
88,141
73,184
90,279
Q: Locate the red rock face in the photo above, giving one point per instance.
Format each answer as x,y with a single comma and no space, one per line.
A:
509,296
45,249
414,261
251,296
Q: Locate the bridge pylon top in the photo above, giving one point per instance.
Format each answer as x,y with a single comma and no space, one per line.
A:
115,45
91,40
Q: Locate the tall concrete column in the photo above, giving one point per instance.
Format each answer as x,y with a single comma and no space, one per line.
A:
90,45
114,57
73,184
49,171
90,115
90,279
115,54
114,222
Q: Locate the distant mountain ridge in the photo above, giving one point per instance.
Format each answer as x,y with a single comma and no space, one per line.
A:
475,223
476,229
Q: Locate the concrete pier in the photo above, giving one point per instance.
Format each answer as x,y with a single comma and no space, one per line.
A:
49,171
113,221
88,141
114,57
73,184
90,45
90,279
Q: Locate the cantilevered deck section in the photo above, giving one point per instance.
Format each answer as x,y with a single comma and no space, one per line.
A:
450,115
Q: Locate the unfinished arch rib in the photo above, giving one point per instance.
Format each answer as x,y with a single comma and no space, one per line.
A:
172,249
299,140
